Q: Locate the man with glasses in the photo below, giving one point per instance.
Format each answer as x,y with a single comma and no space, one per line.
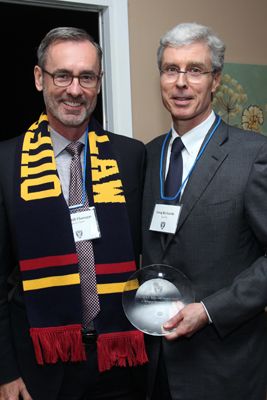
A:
70,199
211,190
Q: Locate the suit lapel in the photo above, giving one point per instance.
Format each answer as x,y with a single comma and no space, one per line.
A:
155,178
156,173
207,166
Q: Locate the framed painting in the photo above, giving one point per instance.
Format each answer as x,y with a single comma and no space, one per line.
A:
241,99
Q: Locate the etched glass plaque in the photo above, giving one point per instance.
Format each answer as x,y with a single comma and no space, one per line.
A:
153,295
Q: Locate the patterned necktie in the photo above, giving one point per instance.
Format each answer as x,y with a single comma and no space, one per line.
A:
90,301
175,173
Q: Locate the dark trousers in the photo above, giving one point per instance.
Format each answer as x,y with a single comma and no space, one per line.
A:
161,389
73,381
84,382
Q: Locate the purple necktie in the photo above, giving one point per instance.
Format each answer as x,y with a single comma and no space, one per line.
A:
175,173
90,301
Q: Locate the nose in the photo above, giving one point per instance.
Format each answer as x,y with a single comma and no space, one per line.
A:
74,88
181,80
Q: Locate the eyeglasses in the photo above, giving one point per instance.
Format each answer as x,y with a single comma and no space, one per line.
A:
193,74
64,79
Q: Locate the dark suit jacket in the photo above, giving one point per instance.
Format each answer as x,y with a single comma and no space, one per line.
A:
16,352
220,245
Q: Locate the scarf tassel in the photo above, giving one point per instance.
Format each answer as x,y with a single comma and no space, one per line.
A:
58,343
121,349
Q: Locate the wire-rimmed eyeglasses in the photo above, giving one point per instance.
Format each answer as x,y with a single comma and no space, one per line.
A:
194,74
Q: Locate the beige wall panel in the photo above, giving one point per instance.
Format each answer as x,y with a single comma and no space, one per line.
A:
242,26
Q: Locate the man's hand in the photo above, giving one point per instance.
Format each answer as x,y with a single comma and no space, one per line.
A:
14,389
187,321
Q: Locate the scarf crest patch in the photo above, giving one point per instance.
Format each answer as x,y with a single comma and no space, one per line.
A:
48,260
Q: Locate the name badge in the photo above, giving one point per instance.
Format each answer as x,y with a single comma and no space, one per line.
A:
165,218
85,225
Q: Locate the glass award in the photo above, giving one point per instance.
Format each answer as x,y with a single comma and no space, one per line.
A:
153,295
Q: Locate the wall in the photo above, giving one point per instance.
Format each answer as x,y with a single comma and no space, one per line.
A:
242,26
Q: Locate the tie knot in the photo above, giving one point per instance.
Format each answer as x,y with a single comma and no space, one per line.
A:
177,146
74,148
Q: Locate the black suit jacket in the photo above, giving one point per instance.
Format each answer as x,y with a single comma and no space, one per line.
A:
220,245
16,351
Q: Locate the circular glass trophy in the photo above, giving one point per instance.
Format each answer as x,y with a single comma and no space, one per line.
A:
153,295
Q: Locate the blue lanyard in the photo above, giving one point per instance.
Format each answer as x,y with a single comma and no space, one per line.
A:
84,174
192,168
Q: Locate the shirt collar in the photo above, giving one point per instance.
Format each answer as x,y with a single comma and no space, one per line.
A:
60,142
193,139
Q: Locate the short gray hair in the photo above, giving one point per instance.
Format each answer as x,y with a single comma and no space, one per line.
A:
64,34
187,33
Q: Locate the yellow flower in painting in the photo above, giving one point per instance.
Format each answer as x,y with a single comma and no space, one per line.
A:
252,118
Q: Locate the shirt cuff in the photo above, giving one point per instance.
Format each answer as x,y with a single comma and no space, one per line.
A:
210,320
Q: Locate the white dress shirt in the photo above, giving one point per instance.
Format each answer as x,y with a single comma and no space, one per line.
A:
192,141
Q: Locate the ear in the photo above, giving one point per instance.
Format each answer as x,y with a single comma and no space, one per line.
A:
99,83
38,78
216,81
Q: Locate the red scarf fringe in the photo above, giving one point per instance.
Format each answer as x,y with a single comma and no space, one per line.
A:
58,343
121,349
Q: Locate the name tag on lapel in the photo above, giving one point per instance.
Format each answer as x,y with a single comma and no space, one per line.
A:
165,218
